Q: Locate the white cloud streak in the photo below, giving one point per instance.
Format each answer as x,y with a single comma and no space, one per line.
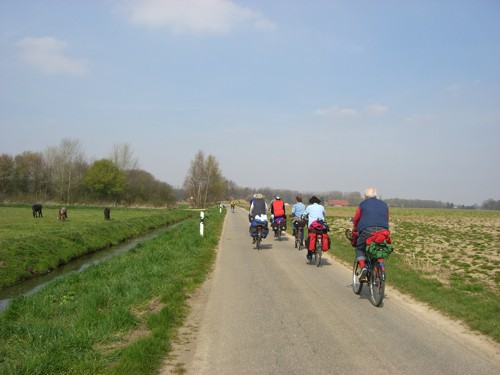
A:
46,54
193,16
372,110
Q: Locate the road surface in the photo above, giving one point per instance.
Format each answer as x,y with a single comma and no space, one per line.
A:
268,312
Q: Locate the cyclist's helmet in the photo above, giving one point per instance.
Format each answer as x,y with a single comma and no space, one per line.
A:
278,197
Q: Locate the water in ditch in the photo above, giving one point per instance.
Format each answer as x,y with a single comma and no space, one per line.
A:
32,285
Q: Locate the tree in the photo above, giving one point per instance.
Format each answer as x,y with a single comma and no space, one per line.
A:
122,156
142,188
6,175
66,166
105,179
204,182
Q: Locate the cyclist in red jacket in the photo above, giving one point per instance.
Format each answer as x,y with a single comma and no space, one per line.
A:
278,211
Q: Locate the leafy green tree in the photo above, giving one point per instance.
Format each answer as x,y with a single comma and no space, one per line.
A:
105,179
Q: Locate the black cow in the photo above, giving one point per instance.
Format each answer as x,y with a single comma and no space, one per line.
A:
37,210
107,213
62,214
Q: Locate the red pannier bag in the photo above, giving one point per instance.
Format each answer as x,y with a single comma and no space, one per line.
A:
312,241
326,242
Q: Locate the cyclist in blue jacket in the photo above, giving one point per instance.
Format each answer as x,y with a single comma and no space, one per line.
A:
372,215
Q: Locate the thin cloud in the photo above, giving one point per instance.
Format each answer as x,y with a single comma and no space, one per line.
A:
414,118
371,110
453,90
376,109
195,16
335,111
46,54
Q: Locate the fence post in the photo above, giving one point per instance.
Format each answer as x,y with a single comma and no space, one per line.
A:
202,222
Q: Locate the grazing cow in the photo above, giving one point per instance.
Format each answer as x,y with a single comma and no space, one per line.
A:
62,214
107,213
37,210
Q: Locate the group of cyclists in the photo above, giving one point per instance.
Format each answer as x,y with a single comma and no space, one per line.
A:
372,215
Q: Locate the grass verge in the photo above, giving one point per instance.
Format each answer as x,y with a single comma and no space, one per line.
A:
30,247
116,317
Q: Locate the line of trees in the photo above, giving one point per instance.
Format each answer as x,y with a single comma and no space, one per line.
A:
62,174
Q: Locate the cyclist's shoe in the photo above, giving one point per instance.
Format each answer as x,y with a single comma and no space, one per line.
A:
309,256
362,274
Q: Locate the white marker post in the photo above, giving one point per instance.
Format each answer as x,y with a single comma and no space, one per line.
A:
202,220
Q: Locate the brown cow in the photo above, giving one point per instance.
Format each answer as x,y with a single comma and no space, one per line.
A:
62,214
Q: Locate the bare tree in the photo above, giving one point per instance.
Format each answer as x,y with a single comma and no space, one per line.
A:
204,181
65,165
122,156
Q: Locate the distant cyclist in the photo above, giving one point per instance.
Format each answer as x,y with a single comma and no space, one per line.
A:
258,210
278,211
372,215
298,210
233,204
315,212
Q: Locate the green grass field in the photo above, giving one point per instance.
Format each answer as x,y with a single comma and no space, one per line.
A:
116,317
32,246
121,316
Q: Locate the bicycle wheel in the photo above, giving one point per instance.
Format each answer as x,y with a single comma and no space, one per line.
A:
279,232
356,284
259,238
318,252
299,238
377,284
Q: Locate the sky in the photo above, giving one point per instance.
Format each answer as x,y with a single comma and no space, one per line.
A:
307,95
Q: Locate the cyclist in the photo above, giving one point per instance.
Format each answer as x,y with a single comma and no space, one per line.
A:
258,210
277,211
233,204
315,211
298,210
372,215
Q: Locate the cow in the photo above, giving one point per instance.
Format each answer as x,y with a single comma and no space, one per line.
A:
62,214
107,213
37,210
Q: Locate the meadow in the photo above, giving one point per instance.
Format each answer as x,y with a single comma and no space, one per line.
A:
31,246
449,259
122,315
116,317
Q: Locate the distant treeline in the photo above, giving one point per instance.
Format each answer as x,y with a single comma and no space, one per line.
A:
354,198
62,174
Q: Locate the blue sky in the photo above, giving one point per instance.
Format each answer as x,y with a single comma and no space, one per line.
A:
307,95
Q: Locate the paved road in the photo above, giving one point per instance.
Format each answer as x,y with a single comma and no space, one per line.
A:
268,312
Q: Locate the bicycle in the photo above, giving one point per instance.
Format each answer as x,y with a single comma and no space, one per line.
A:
278,226
299,225
259,233
318,246
375,277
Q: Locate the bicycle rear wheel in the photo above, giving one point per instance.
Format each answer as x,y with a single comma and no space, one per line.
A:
259,238
377,284
318,252
356,284
300,238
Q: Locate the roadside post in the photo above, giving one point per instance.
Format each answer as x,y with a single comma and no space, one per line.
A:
202,222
